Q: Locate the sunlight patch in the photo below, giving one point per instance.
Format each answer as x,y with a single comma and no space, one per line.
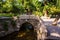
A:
55,34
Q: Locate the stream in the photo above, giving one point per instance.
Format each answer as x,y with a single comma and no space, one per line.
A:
26,32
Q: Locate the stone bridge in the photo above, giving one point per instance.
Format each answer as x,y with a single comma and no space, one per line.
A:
28,18
36,22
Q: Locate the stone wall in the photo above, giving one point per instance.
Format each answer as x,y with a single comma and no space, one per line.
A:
5,26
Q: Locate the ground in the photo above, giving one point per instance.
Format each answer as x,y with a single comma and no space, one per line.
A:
53,31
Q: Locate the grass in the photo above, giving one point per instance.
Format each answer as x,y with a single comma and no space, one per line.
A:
6,15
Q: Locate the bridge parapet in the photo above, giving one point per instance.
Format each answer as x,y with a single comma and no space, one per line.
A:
28,17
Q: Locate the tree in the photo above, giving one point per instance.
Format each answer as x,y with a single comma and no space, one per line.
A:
58,4
1,2
45,11
7,6
20,6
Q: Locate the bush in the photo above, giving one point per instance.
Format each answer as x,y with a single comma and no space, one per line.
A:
37,13
53,11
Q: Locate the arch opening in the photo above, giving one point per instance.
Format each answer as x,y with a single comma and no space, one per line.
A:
26,26
27,32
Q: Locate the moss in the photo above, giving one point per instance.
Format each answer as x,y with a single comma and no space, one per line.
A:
13,23
5,26
6,14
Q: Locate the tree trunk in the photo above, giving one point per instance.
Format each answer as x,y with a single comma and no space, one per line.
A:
46,13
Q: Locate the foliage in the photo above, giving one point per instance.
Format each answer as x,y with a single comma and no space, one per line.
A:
37,13
20,6
6,14
53,9
58,4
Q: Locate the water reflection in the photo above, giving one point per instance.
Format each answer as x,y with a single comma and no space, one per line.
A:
27,32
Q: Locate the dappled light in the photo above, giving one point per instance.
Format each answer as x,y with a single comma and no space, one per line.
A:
55,34
29,19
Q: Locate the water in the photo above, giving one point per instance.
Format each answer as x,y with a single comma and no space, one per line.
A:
26,32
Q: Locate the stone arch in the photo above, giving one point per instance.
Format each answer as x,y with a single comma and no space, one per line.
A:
33,22
29,31
26,23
